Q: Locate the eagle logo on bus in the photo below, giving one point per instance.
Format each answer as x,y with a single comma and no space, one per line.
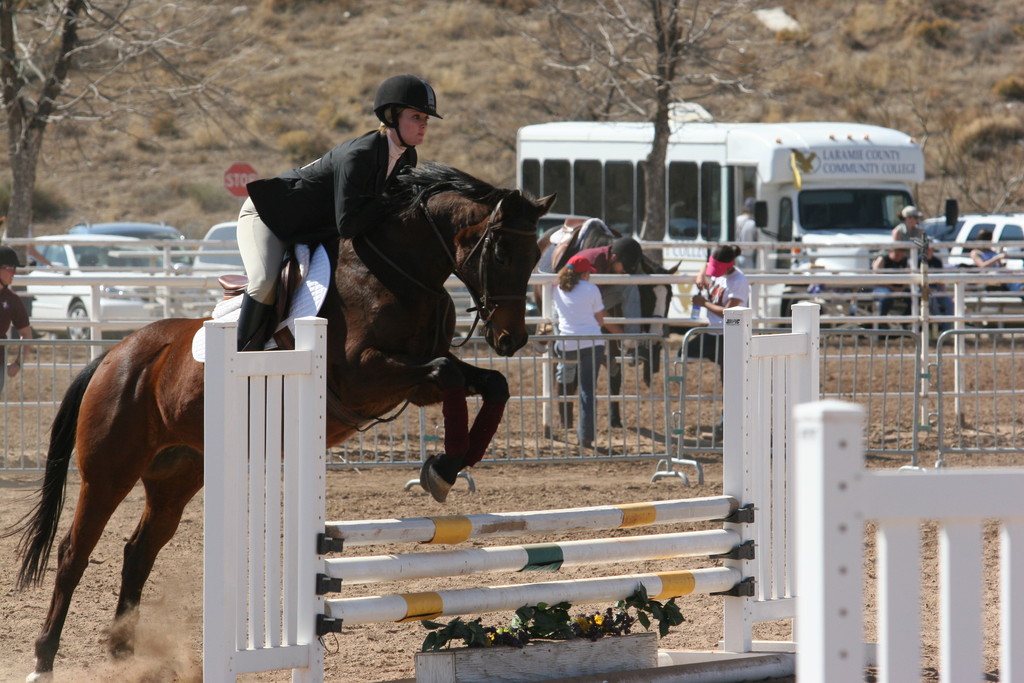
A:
807,163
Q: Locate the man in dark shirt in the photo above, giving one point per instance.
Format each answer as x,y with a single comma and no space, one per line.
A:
12,314
892,260
621,257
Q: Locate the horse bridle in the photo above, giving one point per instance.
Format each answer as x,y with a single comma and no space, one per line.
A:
483,304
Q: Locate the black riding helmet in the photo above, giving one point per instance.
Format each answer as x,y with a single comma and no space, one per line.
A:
9,257
628,252
404,91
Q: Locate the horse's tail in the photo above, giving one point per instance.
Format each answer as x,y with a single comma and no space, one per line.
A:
38,528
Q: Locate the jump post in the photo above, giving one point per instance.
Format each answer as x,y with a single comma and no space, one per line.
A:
262,613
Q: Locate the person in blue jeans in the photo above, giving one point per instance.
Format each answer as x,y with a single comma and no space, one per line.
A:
580,312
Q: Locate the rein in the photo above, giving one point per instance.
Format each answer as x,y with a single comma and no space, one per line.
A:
483,305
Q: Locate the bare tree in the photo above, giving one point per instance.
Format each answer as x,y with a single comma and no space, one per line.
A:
90,60
633,59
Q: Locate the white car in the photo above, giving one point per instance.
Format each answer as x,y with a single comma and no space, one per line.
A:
220,259
1007,235
112,255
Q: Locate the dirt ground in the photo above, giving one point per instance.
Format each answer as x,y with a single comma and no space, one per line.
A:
171,615
169,634
169,641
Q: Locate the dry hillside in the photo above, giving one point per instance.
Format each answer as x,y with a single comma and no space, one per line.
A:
945,71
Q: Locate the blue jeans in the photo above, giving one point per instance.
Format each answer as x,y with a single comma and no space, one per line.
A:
629,297
939,304
886,302
588,363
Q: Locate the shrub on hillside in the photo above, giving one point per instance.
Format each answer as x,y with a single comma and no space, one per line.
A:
47,204
938,33
1010,88
301,146
164,125
988,136
210,198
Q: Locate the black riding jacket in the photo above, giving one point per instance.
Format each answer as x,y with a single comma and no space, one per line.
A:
334,195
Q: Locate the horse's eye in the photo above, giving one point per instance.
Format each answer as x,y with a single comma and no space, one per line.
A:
500,254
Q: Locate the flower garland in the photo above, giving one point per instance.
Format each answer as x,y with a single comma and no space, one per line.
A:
553,622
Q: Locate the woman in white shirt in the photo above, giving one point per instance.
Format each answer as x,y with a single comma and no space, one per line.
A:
580,312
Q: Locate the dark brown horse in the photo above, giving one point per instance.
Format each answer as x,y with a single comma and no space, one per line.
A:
136,413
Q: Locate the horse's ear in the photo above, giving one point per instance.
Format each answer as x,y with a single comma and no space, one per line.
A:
545,204
673,269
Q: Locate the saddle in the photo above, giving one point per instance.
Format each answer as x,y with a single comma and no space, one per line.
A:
288,281
590,233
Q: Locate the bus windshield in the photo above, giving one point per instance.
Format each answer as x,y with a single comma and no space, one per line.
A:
851,209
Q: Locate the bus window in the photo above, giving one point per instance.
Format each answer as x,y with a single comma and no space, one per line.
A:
748,180
783,259
786,220
641,195
619,196
556,179
683,212
531,177
851,209
711,202
587,188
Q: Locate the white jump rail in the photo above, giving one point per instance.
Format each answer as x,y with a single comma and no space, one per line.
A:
458,528
836,496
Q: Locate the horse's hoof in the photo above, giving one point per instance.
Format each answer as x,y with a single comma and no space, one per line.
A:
39,677
432,482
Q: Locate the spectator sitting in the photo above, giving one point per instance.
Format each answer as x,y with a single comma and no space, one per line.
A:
894,259
988,257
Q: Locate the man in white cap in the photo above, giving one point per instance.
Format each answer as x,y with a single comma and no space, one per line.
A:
910,228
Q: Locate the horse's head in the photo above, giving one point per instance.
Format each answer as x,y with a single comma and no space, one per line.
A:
495,258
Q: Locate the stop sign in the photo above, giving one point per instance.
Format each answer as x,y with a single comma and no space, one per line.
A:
237,177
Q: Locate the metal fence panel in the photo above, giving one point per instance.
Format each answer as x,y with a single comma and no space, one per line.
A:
980,381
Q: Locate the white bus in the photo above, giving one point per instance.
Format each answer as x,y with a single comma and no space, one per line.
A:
826,184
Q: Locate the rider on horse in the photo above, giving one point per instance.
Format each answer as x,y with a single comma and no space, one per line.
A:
336,195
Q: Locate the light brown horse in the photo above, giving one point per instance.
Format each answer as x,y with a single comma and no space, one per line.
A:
136,413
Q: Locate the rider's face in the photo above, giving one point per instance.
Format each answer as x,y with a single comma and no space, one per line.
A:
412,125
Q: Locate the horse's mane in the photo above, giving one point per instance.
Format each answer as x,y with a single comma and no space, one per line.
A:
417,185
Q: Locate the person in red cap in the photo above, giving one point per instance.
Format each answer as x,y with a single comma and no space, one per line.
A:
12,314
621,257
580,312
726,287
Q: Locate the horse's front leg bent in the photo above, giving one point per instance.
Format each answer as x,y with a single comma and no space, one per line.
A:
464,447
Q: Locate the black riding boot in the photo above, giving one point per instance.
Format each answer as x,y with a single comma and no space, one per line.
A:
255,324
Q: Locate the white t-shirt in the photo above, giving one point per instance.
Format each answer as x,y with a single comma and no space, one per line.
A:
733,285
576,310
